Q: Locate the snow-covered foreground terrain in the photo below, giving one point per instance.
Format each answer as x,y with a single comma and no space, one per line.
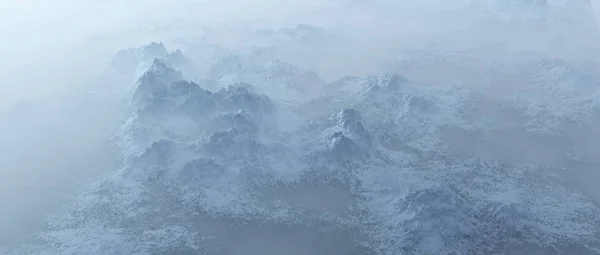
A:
446,150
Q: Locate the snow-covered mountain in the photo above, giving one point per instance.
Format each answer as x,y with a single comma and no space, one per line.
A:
384,167
445,151
134,62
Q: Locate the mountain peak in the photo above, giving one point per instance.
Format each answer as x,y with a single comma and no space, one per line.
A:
347,114
153,50
158,76
390,81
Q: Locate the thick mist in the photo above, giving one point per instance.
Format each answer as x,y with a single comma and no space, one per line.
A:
61,102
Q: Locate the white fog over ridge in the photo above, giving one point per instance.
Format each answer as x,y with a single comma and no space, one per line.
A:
300,127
